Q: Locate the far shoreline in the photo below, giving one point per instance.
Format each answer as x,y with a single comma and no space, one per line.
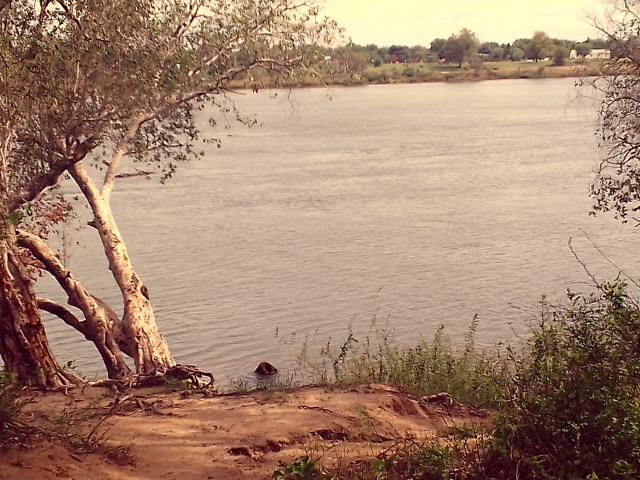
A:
405,74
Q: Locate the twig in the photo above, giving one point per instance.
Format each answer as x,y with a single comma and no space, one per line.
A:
321,409
109,414
584,267
611,262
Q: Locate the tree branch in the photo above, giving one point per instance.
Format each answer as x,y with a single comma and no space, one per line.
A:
69,14
52,264
37,185
65,315
57,167
121,150
79,297
4,4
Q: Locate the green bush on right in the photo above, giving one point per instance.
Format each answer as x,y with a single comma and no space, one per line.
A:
573,408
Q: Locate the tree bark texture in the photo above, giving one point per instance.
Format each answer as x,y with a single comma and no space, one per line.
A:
150,351
101,325
24,346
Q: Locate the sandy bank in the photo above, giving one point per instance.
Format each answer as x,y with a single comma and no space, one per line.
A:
243,436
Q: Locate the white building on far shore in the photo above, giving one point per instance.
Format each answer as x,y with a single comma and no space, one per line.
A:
595,54
600,53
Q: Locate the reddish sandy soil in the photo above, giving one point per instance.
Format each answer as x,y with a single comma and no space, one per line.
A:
166,436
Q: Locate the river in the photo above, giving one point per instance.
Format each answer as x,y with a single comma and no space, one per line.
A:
411,206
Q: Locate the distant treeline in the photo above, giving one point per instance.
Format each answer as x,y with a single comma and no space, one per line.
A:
463,47
442,60
520,49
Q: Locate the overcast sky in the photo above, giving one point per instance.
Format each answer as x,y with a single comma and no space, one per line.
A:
411,22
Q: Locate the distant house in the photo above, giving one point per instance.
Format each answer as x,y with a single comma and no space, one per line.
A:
600,54
595,54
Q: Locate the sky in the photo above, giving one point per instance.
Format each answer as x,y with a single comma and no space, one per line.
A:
413,22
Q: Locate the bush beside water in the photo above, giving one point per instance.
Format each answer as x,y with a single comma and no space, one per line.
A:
573,404
470,376
9,403
566,407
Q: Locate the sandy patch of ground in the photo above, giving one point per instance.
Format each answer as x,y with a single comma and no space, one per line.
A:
225,437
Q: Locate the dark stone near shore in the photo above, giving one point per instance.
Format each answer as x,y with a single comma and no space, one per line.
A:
265,369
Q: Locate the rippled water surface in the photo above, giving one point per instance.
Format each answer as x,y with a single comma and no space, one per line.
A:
419,205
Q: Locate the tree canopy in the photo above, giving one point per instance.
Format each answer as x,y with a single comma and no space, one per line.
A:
616,187
539,47
461,47
437,47
582,49
560,56
92,83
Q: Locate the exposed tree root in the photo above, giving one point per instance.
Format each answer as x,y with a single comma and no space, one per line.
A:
16,433
179,373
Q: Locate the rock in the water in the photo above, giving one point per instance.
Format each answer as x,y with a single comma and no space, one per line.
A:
265,369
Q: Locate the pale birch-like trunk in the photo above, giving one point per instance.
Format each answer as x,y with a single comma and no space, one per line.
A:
150,351
23,342
101,325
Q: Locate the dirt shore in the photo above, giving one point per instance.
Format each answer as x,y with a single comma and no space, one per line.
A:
154,435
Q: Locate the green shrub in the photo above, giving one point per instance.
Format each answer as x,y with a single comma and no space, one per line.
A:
566,407
9,404
410,72
560,56
410,460
574,403
431,367
407,460
375,76
300,469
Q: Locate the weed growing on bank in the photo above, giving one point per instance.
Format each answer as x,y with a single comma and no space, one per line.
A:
573,408
9,402
567,407
471,376
406,460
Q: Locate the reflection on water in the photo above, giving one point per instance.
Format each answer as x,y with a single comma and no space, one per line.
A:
419,205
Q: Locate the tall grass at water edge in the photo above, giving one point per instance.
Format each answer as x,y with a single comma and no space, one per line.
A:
565,406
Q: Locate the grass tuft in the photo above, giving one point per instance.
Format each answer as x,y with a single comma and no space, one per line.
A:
431,367
9,403
566,407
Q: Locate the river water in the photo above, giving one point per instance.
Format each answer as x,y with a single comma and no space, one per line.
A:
411,206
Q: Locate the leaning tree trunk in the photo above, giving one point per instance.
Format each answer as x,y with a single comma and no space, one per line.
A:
23,342
151,352
101,325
